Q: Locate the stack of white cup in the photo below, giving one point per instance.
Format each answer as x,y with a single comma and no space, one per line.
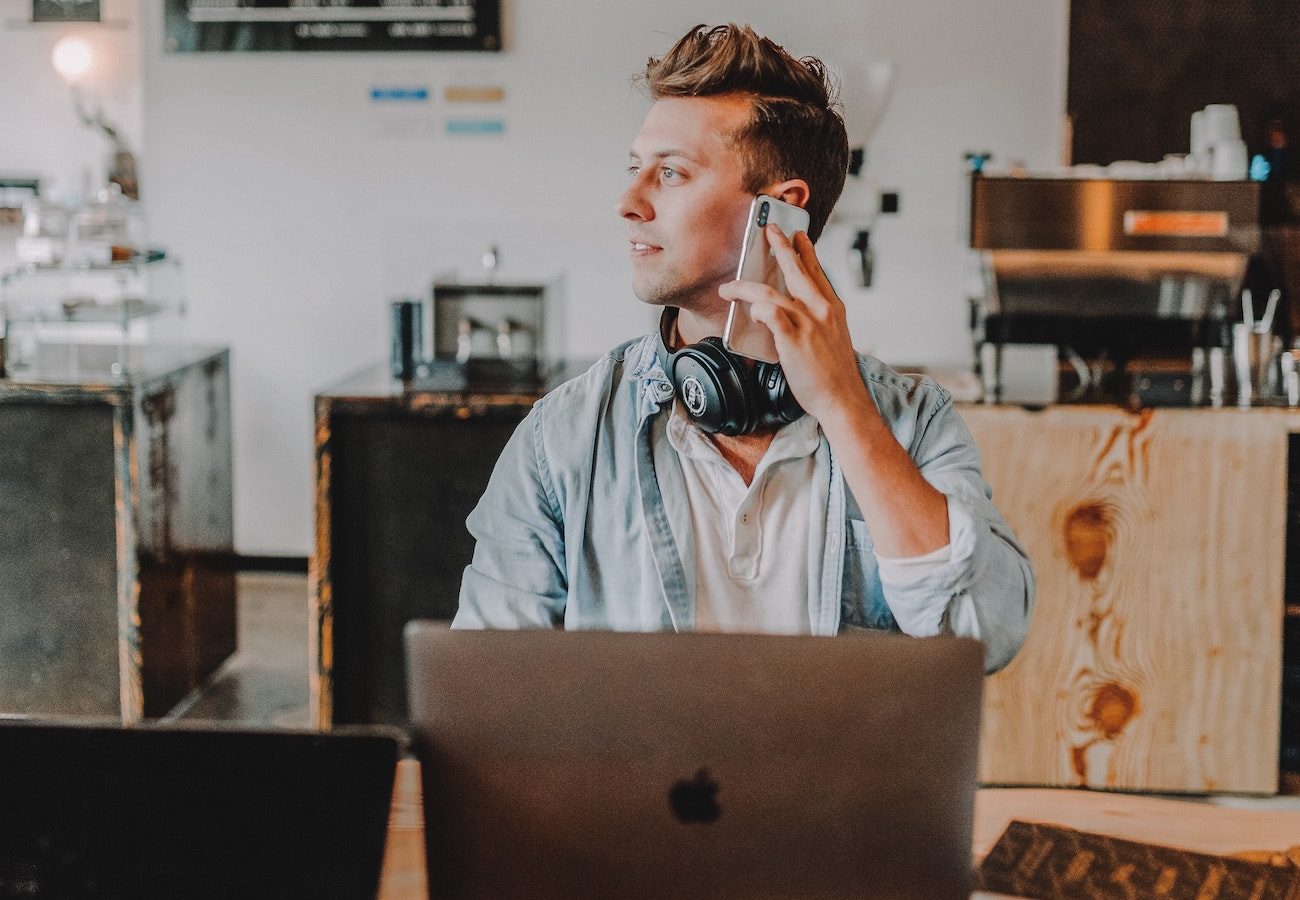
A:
1217,147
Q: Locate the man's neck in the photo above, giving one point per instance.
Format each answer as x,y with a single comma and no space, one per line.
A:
693,327
744,452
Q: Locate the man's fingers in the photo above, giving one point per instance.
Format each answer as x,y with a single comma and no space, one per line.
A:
755,292
797,278
812,265
776,318
782,249
780,313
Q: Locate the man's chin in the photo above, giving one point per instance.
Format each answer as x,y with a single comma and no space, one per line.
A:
654,300
653,293
690,297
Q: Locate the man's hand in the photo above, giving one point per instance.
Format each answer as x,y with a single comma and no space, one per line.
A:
904,513
810,328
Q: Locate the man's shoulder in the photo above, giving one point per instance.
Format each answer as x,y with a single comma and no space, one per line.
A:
899,392
601,379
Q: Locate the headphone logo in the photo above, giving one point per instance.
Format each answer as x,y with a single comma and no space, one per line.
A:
693,395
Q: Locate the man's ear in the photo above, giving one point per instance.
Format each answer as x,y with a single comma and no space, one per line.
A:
795,192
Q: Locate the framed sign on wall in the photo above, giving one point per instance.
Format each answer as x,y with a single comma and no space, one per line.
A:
65,10
216,26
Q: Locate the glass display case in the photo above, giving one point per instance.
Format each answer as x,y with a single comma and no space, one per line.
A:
91,318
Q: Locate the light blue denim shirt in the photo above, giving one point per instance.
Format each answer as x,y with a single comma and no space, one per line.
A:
580,524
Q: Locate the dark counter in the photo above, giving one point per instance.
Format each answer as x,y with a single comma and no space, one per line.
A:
398,469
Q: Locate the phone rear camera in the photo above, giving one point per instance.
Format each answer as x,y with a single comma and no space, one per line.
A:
762,213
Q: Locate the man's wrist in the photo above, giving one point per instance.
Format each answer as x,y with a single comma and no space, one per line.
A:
850,413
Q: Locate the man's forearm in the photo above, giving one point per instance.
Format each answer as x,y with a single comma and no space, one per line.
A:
905,514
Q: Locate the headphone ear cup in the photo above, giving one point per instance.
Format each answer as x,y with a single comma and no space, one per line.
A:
778,401
717,390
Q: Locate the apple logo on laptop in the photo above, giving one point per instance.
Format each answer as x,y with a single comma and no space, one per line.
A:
695,799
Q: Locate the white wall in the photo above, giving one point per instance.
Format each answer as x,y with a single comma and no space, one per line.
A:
298,224
39,131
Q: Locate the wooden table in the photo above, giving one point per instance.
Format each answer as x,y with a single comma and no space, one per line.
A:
1192,825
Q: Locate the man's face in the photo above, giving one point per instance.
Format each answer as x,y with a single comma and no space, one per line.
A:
686,207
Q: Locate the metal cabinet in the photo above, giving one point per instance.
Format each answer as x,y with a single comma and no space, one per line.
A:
117,582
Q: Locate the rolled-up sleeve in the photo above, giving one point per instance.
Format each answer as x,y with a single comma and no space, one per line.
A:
517,576
984,586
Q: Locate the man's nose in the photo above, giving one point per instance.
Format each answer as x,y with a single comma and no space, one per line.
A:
633,205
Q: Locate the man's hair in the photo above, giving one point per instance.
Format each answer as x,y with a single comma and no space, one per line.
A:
795,129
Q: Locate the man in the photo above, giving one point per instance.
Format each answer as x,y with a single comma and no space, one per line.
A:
611,509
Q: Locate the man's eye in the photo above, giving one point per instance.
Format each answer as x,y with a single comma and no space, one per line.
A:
633,170
668,173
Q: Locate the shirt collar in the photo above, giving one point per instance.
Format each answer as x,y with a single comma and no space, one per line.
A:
650,369
797,440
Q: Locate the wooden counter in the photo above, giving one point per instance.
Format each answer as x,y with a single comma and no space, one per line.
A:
1177,823
1154,655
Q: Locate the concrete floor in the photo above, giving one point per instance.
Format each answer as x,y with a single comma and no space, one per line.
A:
265,682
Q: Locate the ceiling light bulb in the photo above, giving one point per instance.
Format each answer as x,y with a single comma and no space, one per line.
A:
72,58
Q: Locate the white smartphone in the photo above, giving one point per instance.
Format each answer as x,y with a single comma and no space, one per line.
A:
757,263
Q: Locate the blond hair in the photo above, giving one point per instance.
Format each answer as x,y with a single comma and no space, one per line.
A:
795,129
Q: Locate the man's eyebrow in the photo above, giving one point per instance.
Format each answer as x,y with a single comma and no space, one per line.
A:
663,154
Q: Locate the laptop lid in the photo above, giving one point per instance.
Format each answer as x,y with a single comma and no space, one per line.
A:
695,765
100,811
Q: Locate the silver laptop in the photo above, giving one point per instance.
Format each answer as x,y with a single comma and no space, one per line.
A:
590,764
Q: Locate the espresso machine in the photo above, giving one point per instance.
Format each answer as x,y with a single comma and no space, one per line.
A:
1107,289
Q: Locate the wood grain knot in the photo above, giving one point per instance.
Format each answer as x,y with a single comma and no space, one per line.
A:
1079,761
1089,532
1113,705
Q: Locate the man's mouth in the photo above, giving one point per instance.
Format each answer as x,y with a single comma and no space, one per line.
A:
640,248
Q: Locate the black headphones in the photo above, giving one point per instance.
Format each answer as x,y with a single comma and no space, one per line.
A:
723,393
